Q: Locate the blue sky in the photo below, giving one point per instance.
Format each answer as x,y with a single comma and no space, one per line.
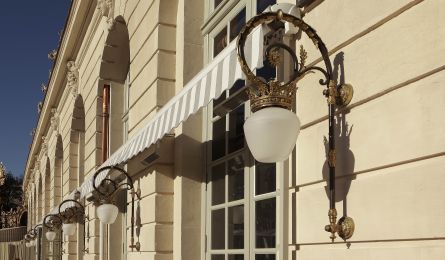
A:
29,30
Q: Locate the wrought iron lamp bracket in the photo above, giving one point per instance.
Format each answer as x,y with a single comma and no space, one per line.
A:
52,221
113,187
74,214
264,94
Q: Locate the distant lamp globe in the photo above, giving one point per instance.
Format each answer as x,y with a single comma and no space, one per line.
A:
69,229
50,235
107,213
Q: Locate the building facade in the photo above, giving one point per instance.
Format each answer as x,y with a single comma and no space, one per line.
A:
203,196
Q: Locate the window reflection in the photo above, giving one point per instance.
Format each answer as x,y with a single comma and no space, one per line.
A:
263,4
220,42
236,227
217,257
265,257
236,257
218,227
265,225
236,129
265,178
236,178
237,23
218,184
219,138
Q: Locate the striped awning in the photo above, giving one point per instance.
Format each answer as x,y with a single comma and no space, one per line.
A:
216,77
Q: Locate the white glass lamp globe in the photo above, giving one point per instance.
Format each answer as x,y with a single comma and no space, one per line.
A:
271,134
69,229
50,235
107,213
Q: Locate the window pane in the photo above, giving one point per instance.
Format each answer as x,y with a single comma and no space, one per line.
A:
265,223
263,4
265,257
219,100
265,178
236,178
236,227
236,130
237,86
237,23
219,138
236,257
267,72
217,257
220,42
218,184
218,226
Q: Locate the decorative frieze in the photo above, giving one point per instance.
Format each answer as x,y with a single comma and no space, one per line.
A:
73,77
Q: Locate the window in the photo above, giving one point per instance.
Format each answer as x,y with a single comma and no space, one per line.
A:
244,200
242,194
126,107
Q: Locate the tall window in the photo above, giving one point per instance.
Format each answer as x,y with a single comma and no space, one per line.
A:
126,107
244,208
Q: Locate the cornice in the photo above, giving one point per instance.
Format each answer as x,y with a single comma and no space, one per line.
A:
74,24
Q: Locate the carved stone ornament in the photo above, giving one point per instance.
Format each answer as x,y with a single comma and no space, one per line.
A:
54,120
44,150
44,88
39,107
111,23
52,55
33,132
104,7
73,77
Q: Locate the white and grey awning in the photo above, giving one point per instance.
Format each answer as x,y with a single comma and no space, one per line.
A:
216,77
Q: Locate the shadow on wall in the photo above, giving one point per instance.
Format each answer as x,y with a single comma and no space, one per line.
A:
345,157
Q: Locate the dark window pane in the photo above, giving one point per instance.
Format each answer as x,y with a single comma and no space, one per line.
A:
236,257
236,227
219,138
220,42
216,3
219,100
265,178
265,223
267,72
236,178
217,257
237,23
218,226
218,184
265,257
237,86
236,130
263,4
